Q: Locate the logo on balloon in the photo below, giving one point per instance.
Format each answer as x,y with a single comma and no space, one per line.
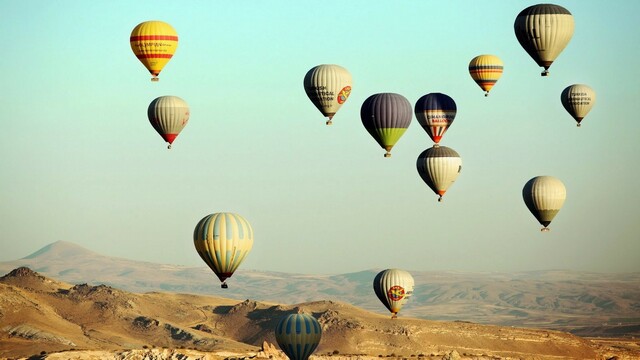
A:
344,94
395,293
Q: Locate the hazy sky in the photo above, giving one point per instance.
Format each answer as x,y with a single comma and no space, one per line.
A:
80,161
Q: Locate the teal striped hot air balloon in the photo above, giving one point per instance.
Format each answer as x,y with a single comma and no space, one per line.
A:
223,240
298,335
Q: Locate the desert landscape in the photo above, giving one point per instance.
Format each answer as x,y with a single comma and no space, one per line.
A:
42,318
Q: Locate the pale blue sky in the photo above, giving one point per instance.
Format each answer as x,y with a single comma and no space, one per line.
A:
80,161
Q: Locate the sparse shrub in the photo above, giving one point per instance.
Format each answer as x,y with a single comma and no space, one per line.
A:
145,347
336,352
43,352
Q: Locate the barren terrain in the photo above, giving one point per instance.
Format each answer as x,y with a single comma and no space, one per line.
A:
39,315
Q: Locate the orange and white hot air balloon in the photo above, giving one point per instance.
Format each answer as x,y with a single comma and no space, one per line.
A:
485,71
154,43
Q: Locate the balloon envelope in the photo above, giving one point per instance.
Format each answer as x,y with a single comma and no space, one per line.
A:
435,113
393,287
544,197
485,71
223,240
439,167
328,86
168,115
544,30
154,43
578,99
298,335
386,116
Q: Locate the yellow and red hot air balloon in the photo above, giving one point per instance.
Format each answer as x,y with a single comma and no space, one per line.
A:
154,43
485,71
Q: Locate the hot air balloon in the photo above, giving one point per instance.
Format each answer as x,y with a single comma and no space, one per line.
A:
223,240
386,116
328,87
578,99
485,71
544,196
544,30
168,115
439,167
154,43
435,112
393,287
298,335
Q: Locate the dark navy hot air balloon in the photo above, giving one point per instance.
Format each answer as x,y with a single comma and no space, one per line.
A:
298,335
435,112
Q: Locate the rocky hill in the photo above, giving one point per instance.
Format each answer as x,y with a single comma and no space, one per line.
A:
41,315
589,304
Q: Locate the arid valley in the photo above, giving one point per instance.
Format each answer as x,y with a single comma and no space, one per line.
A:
43,317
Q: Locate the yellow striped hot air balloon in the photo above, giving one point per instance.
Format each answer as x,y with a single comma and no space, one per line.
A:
223,240
485,71
154,43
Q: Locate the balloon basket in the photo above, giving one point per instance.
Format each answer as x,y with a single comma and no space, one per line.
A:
169,146
545,73
545,229
155,79
329,122
387,155
578,125
486,94
440,199
224,285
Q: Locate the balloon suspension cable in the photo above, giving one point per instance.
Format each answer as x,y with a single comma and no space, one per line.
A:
545,229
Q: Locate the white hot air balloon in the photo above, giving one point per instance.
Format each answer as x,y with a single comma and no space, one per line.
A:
544,30
393,287
328,87
439,167
168,115
578,99
544,197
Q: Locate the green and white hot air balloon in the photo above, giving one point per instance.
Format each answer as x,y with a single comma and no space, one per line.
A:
544,197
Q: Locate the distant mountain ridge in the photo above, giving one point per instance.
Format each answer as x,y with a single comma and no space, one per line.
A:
565,300
75,321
